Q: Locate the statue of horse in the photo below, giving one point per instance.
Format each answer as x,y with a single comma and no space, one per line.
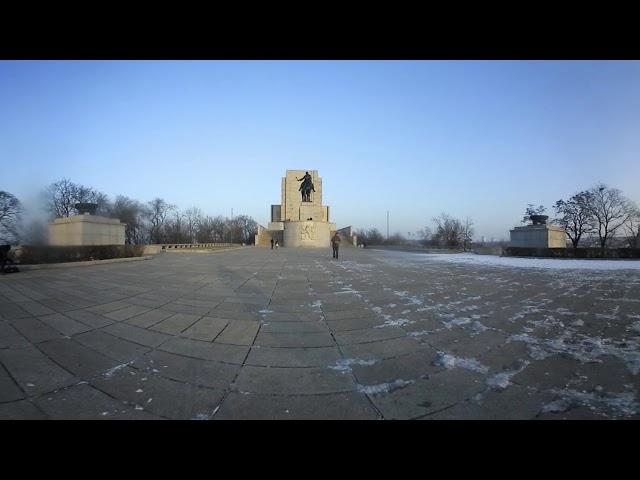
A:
306,187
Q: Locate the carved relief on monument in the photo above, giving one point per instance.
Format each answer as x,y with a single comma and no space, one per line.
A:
308,232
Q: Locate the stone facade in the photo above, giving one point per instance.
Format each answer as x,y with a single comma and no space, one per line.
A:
86,230
538,236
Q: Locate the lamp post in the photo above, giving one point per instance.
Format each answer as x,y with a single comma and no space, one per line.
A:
387,224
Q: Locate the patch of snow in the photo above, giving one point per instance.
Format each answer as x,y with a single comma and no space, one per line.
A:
582,348
449,361
419,333
399,322
344,365
513,262
384,387
502,380
113,370
456,322
616,404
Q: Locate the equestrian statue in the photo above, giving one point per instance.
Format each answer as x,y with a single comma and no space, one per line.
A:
306,187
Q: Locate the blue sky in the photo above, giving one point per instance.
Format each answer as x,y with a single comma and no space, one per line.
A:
475,138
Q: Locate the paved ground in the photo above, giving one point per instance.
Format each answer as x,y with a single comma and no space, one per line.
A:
256,333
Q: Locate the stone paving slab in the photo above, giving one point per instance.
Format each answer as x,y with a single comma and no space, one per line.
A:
251,333
295,340
35,330
161,396
76,358
402,400
233,354
90,319
341,406
9,391
293,381
83,402
205,328
239,332
142,336
111,346
10,337
34,371
65,325
293,357
194,371
21,410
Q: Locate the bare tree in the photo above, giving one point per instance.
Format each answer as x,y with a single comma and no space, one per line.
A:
425,235
10,214
247,228
632,227
60,198
205,231
467,233
174,229
610,209
157,213
371,236
575,216
218,227
131,212
395,239
192,218
530,211
449,231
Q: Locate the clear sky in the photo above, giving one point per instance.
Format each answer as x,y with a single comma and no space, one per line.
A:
476,138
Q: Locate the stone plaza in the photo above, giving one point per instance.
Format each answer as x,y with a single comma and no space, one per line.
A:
256,333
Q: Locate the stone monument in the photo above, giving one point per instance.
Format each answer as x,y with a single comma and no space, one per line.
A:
300,220
538,234
86,228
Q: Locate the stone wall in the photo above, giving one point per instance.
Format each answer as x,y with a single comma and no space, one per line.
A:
31,255
307,234
538,236
86,230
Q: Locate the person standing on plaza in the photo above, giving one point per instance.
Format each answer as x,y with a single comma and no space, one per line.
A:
277,245
335,243
272,244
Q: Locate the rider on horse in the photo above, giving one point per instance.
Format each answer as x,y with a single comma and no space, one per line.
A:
306,187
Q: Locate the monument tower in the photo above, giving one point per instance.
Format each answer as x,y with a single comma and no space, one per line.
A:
300,220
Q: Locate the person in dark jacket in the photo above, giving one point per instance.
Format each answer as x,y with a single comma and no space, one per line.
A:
272,244
335,243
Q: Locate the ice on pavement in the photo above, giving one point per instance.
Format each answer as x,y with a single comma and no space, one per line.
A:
517,262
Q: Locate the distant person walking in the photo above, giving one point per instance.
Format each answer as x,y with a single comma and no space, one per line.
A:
335,243
272,244
277,245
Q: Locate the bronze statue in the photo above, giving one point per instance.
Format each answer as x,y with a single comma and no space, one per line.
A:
306,187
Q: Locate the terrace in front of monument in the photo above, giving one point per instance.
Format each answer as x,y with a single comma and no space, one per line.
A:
293,334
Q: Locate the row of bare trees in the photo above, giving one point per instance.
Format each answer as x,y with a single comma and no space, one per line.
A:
447,232
599,214
156,221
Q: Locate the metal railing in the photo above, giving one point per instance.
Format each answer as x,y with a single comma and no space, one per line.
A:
175,246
